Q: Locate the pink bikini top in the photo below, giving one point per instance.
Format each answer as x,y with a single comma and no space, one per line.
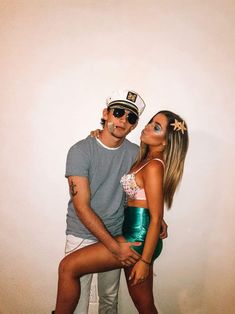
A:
130,186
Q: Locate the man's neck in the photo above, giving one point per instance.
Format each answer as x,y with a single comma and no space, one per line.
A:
109,140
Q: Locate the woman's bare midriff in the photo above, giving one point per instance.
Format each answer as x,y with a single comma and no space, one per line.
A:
137,203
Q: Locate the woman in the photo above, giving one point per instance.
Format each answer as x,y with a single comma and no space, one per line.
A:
151,182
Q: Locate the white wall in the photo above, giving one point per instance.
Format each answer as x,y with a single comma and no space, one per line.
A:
59,60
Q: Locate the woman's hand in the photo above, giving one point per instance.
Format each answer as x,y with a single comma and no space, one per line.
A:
95,133
163,234
139,273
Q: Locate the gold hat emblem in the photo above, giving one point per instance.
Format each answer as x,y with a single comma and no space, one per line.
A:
131,96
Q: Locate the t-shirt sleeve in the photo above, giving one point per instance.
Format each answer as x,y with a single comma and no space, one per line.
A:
77,163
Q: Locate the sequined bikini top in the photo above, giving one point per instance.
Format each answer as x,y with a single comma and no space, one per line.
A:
130,186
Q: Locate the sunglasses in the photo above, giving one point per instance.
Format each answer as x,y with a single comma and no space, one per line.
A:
120,112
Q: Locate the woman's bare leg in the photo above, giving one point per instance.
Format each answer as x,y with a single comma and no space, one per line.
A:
91,259
142,293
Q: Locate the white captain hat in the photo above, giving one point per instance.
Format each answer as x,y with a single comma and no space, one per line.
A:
127,99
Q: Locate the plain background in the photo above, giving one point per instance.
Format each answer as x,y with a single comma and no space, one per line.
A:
59,61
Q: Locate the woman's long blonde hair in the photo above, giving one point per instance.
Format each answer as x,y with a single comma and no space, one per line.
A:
173,156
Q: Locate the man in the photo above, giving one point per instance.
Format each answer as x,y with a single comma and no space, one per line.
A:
95,211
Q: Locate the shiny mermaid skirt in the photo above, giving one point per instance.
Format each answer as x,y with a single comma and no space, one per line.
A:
135,227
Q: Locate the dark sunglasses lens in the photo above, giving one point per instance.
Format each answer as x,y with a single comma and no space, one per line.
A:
132,118
118,112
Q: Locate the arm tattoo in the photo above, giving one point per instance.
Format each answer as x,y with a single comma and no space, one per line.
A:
72,189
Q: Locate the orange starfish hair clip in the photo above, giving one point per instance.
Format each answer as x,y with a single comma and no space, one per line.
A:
179,126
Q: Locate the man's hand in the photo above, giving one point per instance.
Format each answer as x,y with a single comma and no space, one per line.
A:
126,255
164,227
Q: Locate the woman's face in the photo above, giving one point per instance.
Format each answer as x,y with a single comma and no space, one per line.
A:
154,133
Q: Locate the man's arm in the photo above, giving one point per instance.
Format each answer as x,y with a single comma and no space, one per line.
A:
80,193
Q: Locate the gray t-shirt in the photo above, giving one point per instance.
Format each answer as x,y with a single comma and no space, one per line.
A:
104,168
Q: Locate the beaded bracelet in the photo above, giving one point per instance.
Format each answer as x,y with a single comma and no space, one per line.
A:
148,263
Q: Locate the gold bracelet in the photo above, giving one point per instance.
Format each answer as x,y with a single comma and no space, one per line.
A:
148,263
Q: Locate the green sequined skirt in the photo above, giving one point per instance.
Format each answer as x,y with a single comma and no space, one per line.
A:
135,227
